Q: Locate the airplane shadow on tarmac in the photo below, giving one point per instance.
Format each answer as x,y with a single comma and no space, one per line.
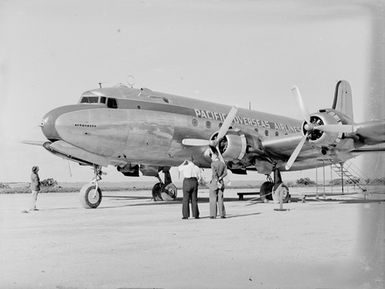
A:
177,201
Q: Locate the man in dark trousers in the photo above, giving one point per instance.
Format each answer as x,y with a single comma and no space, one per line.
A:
217,187
191,174
35,187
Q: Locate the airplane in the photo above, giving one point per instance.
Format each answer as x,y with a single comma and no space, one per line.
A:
138,130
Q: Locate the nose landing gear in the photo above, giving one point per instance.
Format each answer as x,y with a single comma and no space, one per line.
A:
91,194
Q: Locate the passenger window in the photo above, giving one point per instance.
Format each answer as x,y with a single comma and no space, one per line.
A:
276,133
208,124
266,132
194,122
111,103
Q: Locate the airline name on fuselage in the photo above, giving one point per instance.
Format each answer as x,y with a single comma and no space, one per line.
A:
207,114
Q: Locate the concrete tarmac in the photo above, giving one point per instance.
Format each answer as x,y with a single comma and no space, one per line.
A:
132,242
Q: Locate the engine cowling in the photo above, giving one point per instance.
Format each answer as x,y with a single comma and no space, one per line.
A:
233,146
324,117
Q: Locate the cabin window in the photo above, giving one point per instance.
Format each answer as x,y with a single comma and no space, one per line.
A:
208,124
194,122
90,99
256,130
266,132
276,133
103,99
111,103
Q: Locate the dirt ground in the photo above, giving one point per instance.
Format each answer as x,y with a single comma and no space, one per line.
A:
132,242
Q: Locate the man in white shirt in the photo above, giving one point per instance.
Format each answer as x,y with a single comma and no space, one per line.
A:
192,175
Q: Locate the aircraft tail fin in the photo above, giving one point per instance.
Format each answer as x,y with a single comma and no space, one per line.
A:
343,98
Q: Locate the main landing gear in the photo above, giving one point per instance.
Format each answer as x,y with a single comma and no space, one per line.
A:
272,190
164,191
91,194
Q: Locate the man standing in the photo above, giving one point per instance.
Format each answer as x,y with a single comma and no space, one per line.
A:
191,174
217,187
35,187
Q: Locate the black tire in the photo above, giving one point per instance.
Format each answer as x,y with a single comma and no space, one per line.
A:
89,197
266,189
157,191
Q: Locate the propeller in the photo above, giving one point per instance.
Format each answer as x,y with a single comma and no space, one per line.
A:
221,134
310,127
195,142
296,152
297,94
342,128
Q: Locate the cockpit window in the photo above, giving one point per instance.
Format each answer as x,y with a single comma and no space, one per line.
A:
111,103
103,99
89,99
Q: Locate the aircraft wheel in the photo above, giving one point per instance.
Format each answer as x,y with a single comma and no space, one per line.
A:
283,190
266,190
157,191
90,197
169,192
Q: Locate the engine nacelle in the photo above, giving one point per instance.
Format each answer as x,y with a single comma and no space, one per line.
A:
233,146
325,117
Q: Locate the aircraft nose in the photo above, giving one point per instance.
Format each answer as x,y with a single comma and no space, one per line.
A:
48,126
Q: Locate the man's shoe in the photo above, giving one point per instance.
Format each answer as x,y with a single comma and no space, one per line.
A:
223,217
197,218
212,217
184,218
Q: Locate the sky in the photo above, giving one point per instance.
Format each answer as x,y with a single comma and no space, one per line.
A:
232,52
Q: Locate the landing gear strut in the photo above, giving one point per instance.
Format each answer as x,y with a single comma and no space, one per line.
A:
91,194
164,191
271,190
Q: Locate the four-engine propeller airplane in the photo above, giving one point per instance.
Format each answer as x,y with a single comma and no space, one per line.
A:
140,130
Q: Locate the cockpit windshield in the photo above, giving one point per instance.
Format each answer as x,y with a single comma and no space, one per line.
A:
89,99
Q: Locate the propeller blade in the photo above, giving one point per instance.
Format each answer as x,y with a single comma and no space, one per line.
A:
297,94
227,123
295,153
345,128
220,156
195,142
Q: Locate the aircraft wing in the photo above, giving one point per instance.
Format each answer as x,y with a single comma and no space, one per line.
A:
282,146
369,133
367,137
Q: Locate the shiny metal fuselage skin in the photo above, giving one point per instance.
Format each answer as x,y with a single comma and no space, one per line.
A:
148,128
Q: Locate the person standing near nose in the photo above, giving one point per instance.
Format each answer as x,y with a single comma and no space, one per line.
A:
35,187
